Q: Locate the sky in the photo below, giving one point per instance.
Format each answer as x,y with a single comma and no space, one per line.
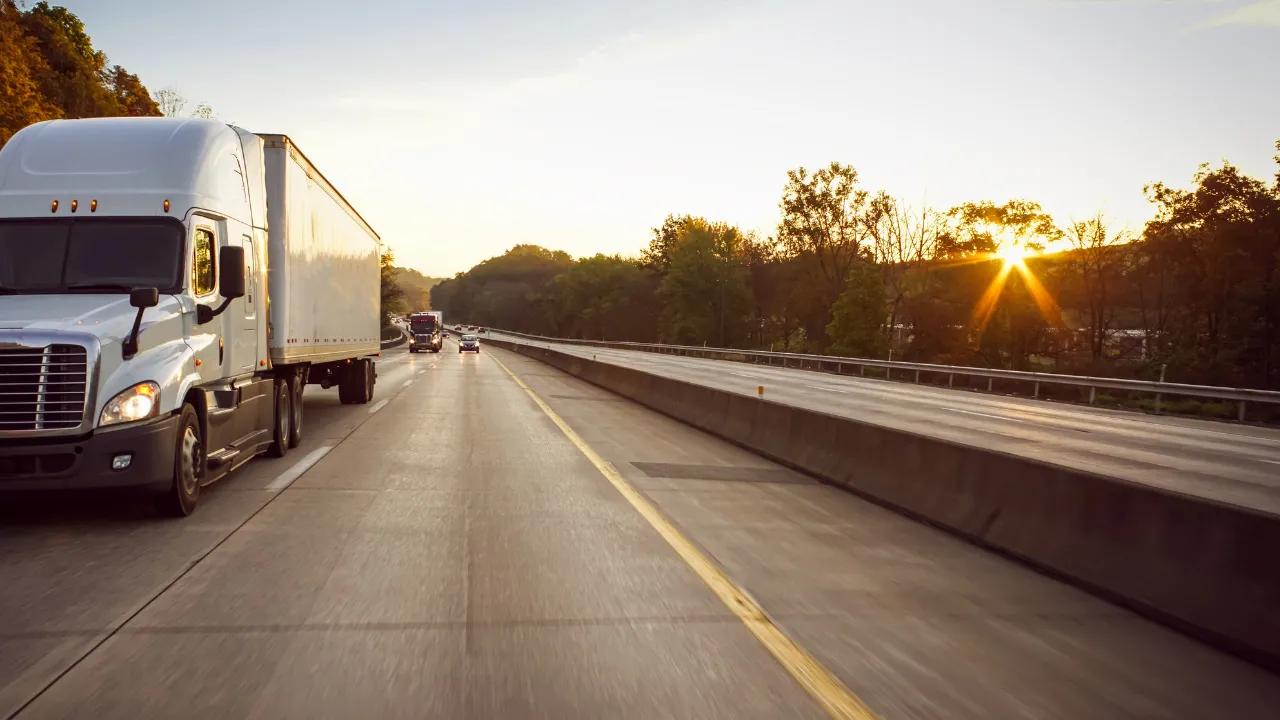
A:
459,128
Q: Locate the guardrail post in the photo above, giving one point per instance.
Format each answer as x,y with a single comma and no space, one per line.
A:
862,370
1240,414
989,382
1036,392
951,380
1093,394
917,376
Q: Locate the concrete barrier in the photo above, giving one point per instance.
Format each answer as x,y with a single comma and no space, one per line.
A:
1207,568
396,342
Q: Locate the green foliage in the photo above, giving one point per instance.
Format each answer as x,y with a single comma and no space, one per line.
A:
606,297
392,295
514,291
857,326
416,287
49,69
825,229
705,290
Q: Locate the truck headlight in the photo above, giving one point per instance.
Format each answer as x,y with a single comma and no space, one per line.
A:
139,402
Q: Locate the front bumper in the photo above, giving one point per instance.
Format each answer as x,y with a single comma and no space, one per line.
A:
85,462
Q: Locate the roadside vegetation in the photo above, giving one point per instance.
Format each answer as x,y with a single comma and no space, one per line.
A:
1194,296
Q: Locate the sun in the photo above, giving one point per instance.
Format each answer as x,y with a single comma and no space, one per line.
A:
1014,254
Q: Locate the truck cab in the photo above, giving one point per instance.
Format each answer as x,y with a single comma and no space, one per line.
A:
135,328
425,333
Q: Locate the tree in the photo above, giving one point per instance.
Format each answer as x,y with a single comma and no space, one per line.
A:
76,78
392,296
858,318
1095,263
607,297
132,96
514,291
705,288
171,103
658,255
1219,246
823,222
984,228
906,244
22,66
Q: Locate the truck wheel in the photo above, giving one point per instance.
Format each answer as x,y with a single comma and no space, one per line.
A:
345,394
364,390
183,493
295,432
283,425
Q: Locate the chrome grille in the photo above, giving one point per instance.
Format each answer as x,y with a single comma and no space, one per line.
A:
43,388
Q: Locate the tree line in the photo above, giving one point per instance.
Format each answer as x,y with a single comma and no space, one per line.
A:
1194,296
49,69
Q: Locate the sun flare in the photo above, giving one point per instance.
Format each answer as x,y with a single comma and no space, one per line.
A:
1014,254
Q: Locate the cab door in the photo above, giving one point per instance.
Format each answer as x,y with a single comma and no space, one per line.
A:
247,338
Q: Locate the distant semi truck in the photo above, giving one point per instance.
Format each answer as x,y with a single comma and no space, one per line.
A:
143,341
425,332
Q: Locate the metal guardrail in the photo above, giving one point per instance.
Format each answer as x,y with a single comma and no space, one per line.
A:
1241,396
388,344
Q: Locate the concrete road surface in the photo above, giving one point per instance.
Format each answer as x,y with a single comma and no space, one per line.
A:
1236,464
450,553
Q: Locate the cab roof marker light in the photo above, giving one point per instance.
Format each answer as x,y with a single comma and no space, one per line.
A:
93,206
74,204
166,206
55,206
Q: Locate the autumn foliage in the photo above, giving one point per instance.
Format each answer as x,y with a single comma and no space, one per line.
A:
49,69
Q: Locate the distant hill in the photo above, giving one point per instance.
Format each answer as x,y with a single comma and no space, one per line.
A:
416,286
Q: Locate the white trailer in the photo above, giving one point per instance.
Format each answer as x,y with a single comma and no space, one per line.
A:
325,296
167,288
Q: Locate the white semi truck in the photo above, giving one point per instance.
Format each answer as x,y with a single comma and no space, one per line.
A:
168,287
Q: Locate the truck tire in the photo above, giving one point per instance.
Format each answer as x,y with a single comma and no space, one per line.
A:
364,381
295,432
183,494
345,393
282,418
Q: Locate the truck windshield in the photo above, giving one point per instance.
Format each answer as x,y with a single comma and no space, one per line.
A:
423,325
99,255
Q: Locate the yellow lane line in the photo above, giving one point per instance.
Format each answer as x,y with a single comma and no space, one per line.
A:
823,686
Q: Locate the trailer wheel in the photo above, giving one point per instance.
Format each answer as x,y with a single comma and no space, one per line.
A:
344,387
363,381
283,425
183,493
295,432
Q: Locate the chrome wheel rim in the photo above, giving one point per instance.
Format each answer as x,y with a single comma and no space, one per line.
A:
190,460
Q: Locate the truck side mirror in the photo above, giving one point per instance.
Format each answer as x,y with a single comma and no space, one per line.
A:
231,271
144,297
141,298
230,282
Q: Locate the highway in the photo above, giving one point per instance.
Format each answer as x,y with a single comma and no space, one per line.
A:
452,551
1227,462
